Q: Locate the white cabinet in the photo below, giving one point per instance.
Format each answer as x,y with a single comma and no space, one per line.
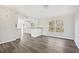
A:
36,31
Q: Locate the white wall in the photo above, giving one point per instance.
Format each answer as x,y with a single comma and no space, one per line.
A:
8,30
8,21
77,28
46,14
68,27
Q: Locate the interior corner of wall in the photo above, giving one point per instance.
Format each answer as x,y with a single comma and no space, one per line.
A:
76,44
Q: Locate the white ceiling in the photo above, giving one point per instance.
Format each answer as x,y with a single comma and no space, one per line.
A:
38,11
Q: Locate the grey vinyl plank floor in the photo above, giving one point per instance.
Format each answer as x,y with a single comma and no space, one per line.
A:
41,44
